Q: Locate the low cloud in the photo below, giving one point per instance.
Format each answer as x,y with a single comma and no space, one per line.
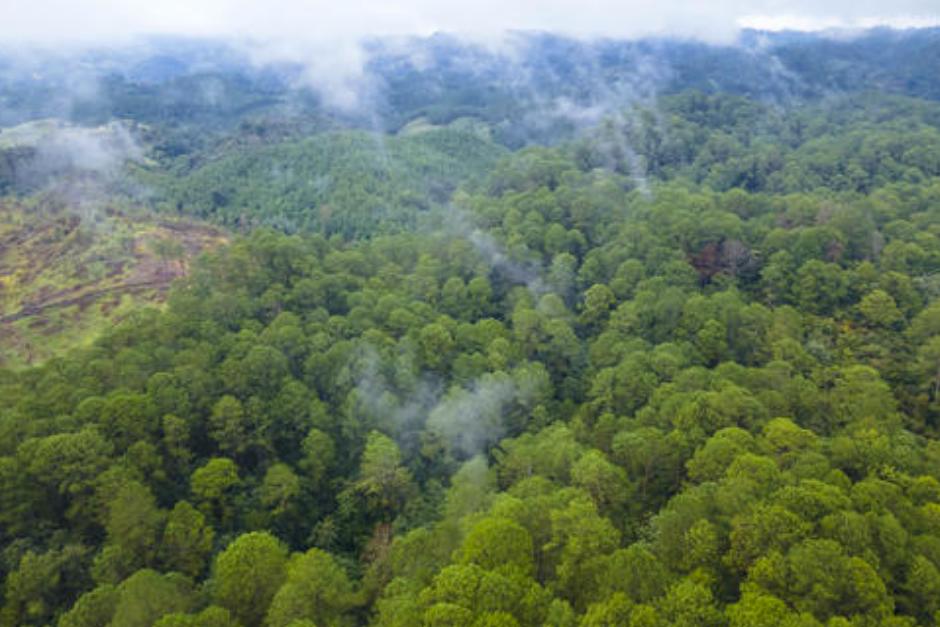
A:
471,419
79,166
466,418
326,37
320,20
529,273
56,147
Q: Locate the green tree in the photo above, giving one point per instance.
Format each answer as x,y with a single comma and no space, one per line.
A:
923,586
605,482
820,287
247,574
147,595
134,522
580,539
383,481
93,609
598,300
757,608
878,309
212,616
928,364
212,484
187,540
691,603
228,426
436,344
316,589
497,543
39,581
319,454
279,488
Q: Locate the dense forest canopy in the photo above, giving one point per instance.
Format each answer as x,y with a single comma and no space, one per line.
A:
669,356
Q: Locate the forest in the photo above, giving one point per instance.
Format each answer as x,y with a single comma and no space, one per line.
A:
678,366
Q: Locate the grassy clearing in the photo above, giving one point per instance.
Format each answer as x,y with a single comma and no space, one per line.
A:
65,275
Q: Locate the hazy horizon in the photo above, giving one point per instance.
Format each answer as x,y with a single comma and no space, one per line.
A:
97,22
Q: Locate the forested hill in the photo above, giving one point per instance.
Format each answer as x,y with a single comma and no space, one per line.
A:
533,87
352,183
680,367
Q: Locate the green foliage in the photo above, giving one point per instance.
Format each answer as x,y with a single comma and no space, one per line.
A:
383,481
564,402
316,588
37,581
187,540
247,574
146,596
212,616
345,182
212,483
495,544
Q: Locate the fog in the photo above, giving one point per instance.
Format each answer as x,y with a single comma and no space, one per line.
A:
326,37
57,21
54,147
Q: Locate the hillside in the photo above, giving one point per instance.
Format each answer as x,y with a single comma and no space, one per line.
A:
573,333
350,183
66,277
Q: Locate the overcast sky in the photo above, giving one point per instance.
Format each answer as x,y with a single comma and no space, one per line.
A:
101,21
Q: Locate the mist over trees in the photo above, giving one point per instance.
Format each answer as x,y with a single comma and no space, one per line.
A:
656,344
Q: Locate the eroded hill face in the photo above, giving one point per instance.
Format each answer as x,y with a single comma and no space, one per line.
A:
66,275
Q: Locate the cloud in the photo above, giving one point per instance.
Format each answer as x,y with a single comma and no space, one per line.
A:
57,148
336,68
467,418
325,37
790,21
470,419
53,21
460,224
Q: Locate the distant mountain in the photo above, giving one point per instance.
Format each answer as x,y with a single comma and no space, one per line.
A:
534,79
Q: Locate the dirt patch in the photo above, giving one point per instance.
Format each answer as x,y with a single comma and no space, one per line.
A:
50,262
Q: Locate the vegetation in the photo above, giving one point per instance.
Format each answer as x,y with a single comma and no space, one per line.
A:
67,274
348,183
681,370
